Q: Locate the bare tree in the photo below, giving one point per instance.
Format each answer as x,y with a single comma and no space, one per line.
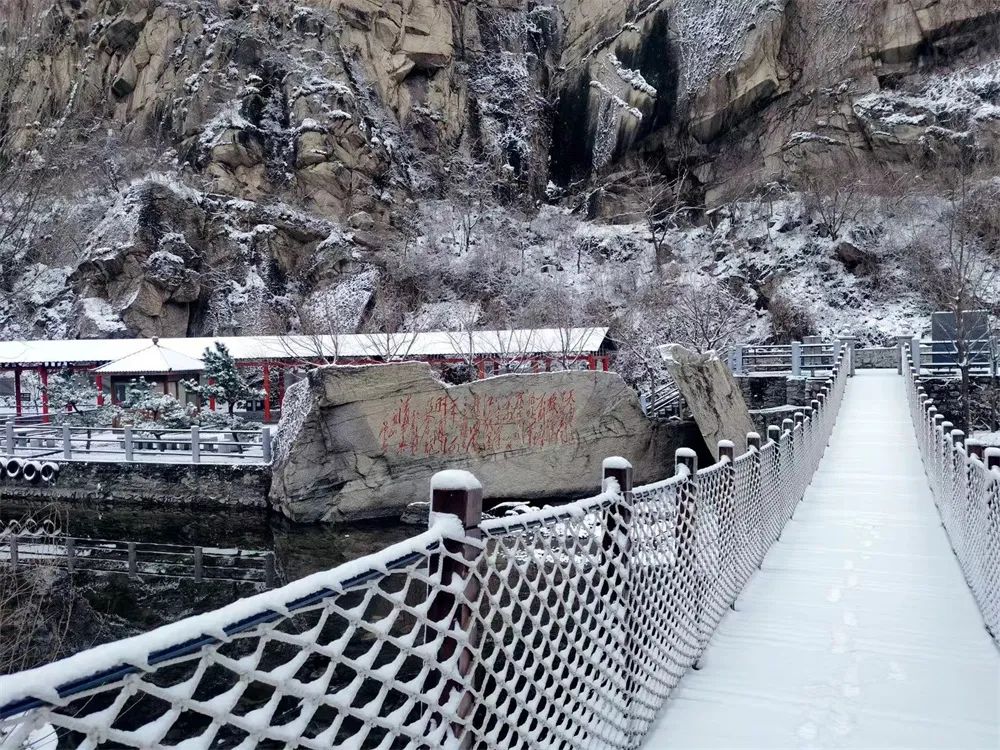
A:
709,316
960,274
835,199
660,201
383,334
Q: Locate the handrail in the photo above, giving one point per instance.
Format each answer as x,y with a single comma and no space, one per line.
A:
964,478
566,626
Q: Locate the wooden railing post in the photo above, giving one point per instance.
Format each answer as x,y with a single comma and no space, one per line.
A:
128,443
457,493
616,535
67,442
977,449
9,432
774,434
199,566
796,358
617,549
132,565
685,537
70,553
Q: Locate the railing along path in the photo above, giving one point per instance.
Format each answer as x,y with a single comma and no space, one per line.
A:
128,445
564,627
965,482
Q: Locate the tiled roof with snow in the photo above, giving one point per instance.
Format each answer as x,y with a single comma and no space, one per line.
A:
512,343
153,359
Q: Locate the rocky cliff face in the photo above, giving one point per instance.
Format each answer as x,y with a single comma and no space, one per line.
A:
225,166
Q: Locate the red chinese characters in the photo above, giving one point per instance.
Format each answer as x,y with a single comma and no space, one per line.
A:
446,426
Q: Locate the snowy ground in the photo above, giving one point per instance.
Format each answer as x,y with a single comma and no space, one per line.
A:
859,631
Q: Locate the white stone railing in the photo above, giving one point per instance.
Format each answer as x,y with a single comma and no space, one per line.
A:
22,446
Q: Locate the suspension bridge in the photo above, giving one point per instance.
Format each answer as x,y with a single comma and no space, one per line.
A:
838,585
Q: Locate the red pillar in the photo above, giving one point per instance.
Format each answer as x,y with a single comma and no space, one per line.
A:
17,391
606,363
481,369
99,383
591,362
211,401
43,374
267,393
281,386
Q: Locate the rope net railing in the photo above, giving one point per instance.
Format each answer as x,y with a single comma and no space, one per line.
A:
965,482
566,627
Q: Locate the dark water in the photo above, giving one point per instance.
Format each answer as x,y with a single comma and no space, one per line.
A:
299,549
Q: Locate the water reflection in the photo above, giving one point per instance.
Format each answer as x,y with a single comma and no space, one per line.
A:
299,549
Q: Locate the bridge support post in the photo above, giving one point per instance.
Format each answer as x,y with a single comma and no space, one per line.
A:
457,493
977,449
617,545
774,434
686,462
727,515
796,359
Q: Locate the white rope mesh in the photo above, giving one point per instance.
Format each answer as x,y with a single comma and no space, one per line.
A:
560,628
967,494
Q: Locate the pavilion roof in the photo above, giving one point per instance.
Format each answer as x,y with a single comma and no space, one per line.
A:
154,359
397,346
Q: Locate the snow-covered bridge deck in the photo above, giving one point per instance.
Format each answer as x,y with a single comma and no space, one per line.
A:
859,631
576,626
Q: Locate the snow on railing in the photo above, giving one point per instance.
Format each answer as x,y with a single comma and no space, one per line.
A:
795,359
561,627
981,355
132,445
965,482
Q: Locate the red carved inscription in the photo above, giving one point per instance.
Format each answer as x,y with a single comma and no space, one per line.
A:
448,426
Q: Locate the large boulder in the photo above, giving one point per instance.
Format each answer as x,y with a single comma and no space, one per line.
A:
360,442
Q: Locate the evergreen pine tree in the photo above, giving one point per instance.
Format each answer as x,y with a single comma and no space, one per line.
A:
226,382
